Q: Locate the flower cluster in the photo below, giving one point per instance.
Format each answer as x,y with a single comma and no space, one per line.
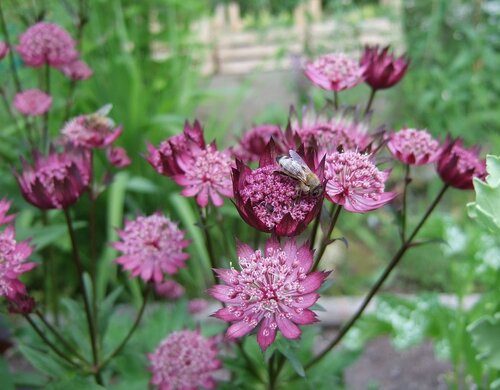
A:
414,147
185,360
32,102
254,142
76,70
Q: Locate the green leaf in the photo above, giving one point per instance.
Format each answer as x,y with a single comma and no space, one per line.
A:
43,361
74,383
485,337
45,235
288,351
141,185
7,380
106,309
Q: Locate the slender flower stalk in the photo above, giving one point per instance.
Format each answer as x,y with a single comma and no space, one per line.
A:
326,238
203,211
12,63
407,181
45,125
370,101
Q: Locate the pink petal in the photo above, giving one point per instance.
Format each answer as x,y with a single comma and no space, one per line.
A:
238,329
312,282
223,293
287,327
243,250
266,334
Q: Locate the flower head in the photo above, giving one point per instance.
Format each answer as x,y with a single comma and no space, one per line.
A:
354,182
383,70
271,201
151,246
254,142
13,263
335,72
169,289
185,360
21,303
32,102
57,180
274,288
118,157
4,49
92,131
4,209
46,43
413,147
457,165
76,70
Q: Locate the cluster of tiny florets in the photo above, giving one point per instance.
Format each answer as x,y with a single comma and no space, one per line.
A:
91,131
335,72
32,102
413,146
76,70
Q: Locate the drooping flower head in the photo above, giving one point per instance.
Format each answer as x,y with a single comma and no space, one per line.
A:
185,360
335,72
169,289
457,165
57,180
355,183
383,69
46,43
274,288
95,130
4,209
271,201
254,142
4,50
13,263
118,157
76,70
32,102
151,247
413,146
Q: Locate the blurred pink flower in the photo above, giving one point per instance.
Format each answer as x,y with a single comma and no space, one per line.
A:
335,72
4,209
255,140
57,180
46,43
413,146
383,70
354,182
21,303
274,289
169,289
76,70
151,247
4,50
457,166
185,360
118,157
32,102
198,305
12,263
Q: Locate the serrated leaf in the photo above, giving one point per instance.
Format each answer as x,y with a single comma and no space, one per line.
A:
485,337
43,361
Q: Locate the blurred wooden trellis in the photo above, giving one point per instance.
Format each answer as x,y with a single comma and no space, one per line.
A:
229,48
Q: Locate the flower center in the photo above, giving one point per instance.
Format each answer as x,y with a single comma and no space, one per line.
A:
211,166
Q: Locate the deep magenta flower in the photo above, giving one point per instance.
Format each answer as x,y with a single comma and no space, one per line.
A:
169,289
413,146
457,165
13,263
21,303
254,142
383,70
4,209
4,50
57,180
335,72
269,200
118,157
274,289
152,247
185,360
32,102
354,182
46,43
76,70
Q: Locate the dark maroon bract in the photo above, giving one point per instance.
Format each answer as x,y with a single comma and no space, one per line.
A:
383,69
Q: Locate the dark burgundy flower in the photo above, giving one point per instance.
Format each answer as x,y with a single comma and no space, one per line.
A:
21,303
457,165
383,69
254,142
270,201
118,157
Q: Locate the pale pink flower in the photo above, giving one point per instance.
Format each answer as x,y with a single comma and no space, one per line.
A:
354,182
46,43
335,72
118,157
32,102
152,247
413,146
4,209
169,289
197,305
185,360
4,50
12,263
274,288
76,70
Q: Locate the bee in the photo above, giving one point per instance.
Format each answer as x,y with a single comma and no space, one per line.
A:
100,119
293,166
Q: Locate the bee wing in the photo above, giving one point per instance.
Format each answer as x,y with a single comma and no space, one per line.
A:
295,157
293,169
104,110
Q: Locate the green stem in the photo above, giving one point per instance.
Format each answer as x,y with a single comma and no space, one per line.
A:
271,385
404,211
13,69
45,125
326,238
314,231
92,238
249,362
336,100
395,260
370,101
90,321
208,242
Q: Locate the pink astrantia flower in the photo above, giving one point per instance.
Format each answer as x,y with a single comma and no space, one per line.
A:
118,157
4,209
354,182
269,200
197,305
92,131
4,50
152,247
169,289
57,180
254,142
76,70
383,70
32,102
335,72
46,43
274,288
457,165
13,263
413,146
185,360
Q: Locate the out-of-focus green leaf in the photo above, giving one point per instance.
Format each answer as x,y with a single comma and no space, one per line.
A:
45,235
486,338
141,185
7,380
74,383
43,361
